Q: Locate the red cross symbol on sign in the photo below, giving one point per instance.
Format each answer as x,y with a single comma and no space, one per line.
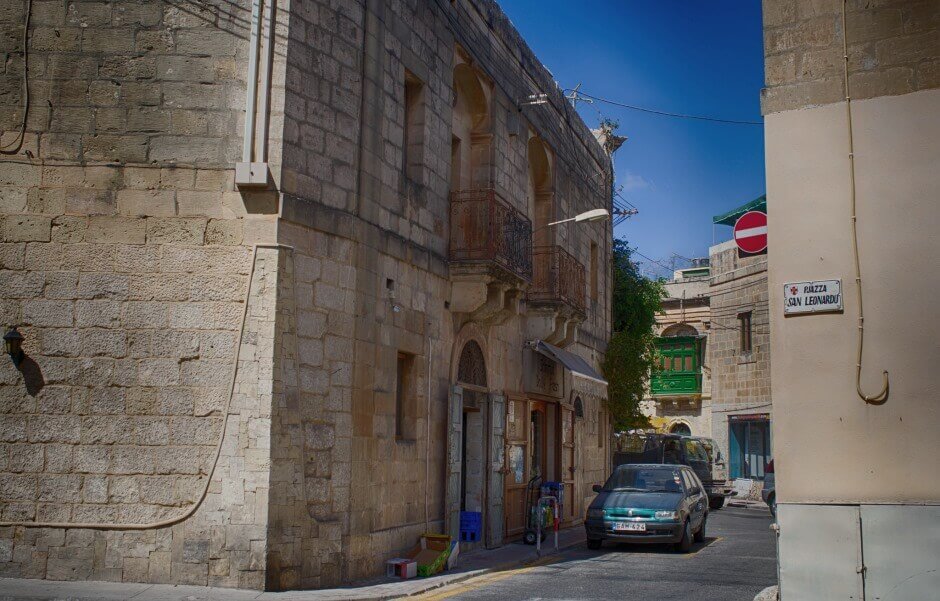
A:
794,290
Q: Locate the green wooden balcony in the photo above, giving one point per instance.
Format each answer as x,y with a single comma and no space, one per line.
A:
679,366
676,383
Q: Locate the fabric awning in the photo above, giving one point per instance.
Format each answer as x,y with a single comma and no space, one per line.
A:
572,362
758,204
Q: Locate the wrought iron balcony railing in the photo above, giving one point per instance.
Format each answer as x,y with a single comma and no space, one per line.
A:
484,228
557,277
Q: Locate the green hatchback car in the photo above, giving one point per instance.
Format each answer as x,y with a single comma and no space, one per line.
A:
648,503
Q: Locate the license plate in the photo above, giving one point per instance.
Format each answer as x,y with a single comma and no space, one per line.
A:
629,527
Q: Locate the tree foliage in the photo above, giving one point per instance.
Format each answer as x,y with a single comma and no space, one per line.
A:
631,351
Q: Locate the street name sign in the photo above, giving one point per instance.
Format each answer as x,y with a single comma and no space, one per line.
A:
750,232
822,296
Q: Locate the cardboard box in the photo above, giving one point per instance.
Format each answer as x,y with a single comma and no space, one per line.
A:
431,553
401,567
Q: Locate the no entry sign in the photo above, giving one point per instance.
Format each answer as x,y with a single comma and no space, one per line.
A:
750,232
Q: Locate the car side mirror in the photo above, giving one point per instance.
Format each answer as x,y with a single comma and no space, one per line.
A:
597,488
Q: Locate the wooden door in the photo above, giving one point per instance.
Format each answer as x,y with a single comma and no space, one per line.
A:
516,468
568,465
454,461
495,472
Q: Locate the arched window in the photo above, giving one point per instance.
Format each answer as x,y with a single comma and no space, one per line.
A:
541,181
470,142
471,368
578,407
681,428
680,329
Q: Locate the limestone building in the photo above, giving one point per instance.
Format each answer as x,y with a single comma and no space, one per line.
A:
852,127
679,399
739,353
286,287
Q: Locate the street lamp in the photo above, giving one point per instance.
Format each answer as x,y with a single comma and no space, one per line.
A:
587,216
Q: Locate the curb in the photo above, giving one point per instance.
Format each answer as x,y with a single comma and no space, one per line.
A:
475,573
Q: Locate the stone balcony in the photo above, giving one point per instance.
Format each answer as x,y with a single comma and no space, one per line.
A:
556,299
557,280
490,254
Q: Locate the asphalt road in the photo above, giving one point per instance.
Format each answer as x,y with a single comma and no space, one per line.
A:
736,561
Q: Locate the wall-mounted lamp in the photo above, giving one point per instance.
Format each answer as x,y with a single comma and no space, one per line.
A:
13,342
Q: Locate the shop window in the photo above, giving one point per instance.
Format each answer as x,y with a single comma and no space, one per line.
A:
749,448
413,143
405,402
744,322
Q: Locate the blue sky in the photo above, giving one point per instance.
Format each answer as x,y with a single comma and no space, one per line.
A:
703,58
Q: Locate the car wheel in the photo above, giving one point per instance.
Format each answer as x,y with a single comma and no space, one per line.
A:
685,543
716,503
594,543
772,503
700,535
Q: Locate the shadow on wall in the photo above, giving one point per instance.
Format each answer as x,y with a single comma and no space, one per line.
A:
32,375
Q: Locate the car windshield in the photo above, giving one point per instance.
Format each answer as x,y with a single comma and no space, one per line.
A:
644,479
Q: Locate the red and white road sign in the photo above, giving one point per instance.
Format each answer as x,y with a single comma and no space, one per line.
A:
750,232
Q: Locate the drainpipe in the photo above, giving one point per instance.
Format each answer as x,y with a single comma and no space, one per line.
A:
247,172
266,65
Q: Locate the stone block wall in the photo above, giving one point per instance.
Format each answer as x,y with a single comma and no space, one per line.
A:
125,250
740,381
370,268
892,44
739,284
125,259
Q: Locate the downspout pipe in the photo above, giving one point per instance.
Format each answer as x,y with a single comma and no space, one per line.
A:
266,65
249,172
251,97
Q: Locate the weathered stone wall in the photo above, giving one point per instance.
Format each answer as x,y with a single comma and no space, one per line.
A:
740,381
125,260
125,254
370,236
892,44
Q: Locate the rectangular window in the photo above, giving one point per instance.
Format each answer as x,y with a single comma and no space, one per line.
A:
744,319
413,142
594,274
405,398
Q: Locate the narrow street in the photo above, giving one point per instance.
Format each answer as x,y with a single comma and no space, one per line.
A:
737,561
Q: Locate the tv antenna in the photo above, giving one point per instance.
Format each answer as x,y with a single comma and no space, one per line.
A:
574,97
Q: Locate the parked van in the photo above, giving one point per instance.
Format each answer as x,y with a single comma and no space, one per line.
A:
678,450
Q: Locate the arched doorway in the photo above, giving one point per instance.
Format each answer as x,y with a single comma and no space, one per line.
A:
471,380
680,428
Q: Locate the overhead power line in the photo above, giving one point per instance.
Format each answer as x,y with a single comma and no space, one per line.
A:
583,95
666,267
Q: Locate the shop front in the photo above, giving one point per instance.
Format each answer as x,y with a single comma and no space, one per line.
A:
503,446
749,445
543,430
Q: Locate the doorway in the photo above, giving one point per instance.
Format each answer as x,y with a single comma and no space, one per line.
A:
471,420
749,449
681,428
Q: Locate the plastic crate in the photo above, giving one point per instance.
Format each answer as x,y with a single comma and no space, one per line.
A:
471,526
